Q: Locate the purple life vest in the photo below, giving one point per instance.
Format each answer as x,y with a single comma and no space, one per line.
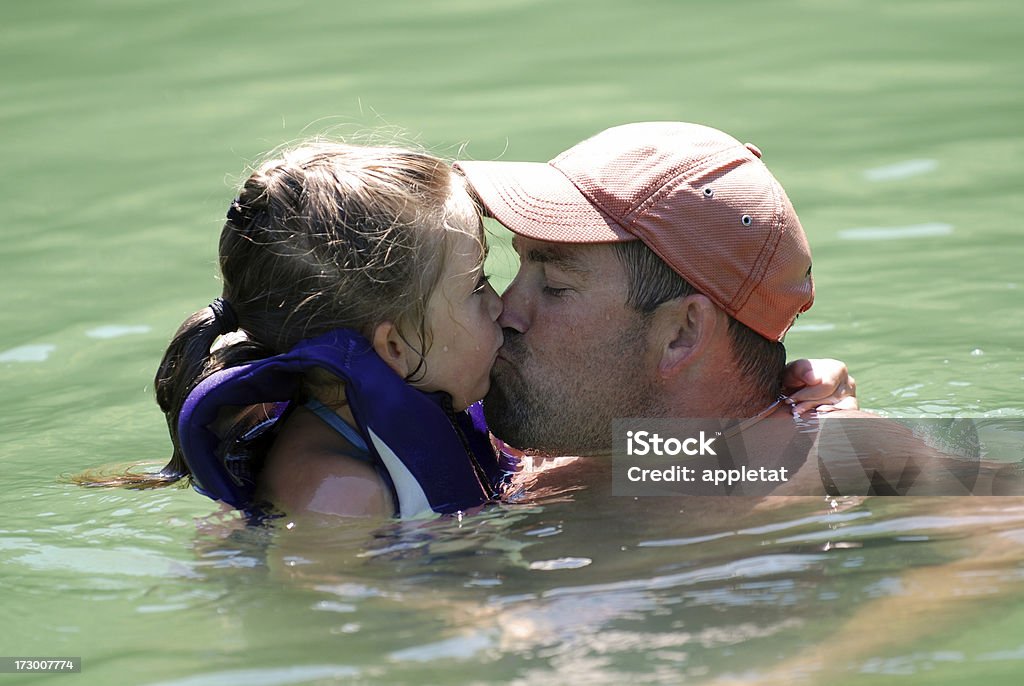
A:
436,459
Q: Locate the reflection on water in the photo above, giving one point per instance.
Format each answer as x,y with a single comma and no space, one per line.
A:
766,593
576,584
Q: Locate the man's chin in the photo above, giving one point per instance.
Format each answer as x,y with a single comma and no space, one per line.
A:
495,407
524,419
502,413
504,389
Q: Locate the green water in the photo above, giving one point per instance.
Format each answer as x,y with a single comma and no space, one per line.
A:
895,127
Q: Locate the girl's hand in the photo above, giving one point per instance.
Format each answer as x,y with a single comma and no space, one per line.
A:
822,385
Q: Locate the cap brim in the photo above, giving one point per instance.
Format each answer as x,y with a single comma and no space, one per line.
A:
536,200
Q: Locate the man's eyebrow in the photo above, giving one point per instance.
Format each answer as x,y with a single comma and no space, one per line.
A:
563,258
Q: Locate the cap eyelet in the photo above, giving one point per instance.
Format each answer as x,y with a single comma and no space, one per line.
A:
747,220
709,192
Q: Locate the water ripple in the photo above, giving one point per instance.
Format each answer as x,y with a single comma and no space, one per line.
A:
748,568
901,170
903,525
890,233
280,676
116,331
28,353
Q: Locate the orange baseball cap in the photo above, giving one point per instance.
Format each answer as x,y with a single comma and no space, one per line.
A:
700,199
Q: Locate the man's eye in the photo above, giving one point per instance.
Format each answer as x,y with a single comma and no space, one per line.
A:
555,292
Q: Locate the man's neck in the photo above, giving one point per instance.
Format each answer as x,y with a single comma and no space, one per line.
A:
735,401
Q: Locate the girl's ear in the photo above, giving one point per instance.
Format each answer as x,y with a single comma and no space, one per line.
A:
685,328
392,348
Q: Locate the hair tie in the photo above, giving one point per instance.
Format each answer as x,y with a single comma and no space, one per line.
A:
224,315
235,213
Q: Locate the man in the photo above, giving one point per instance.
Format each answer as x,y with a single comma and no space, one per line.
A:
661,265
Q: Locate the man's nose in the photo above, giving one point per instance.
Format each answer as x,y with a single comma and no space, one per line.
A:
516,312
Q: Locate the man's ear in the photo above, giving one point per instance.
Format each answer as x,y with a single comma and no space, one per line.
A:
684,328
391,347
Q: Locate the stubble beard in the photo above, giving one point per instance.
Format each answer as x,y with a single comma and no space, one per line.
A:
569,410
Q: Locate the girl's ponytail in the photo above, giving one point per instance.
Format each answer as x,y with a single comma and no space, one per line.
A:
185,363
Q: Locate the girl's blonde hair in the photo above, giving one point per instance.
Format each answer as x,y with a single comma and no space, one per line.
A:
322,236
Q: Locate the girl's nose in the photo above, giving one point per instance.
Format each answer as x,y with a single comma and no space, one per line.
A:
494,304
514,315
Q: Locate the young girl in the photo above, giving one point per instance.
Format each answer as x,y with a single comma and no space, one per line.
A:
356,327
